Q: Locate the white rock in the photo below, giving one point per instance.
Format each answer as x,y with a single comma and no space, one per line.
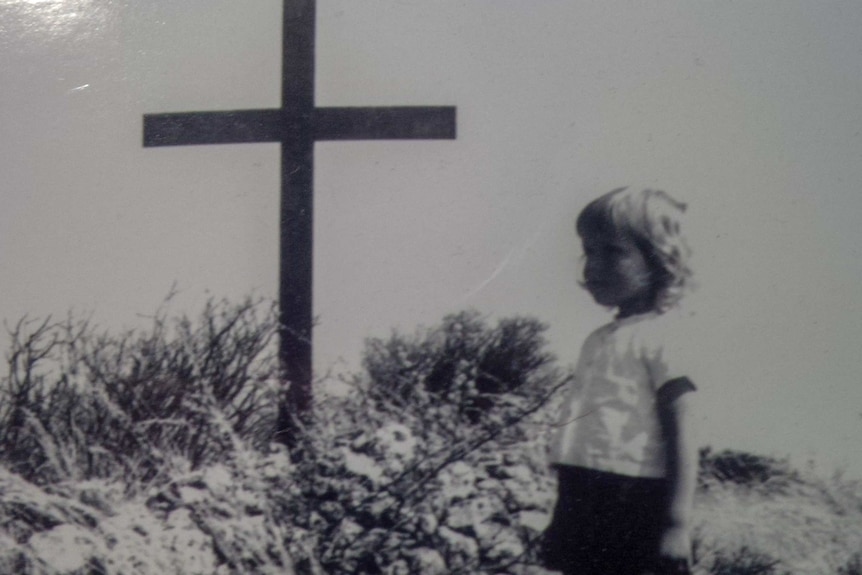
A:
427,522
66,548
191,550
529,497
350,529
9,553
471,513
192,495
131,532
459,517
399,567
460,469
362,465
520,473
395,440
428,562
534,520
507,545
276,465
219,479
459,544
458,481
488,532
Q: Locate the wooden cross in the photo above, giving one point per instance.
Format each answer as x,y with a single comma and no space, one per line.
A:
296,126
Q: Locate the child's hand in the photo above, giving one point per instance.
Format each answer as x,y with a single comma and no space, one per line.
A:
675,551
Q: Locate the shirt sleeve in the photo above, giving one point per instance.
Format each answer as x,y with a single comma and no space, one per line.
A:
669,353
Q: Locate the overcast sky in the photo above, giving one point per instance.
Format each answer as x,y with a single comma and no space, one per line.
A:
748,111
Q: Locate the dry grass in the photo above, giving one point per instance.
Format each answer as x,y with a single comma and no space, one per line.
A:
807,525
79,403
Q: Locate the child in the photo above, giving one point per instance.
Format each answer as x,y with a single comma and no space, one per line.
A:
624,453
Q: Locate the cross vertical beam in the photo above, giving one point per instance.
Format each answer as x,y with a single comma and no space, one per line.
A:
296,126
297,205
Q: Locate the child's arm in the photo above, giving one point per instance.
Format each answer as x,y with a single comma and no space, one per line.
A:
676,414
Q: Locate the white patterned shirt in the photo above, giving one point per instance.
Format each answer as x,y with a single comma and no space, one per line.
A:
609,417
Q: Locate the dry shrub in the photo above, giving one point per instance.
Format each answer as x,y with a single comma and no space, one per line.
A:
768,474
744,561
811,524
463,362
79,403
373,491
435,463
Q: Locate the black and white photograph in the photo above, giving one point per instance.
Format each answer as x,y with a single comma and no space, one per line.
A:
395,287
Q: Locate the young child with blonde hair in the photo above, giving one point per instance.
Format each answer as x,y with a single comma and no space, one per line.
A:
624,451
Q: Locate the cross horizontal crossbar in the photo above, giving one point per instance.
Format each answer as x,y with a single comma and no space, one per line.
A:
395,123
274,125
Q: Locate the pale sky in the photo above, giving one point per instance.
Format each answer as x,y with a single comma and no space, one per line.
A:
748,111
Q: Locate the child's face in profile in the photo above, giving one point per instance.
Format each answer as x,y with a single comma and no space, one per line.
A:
616,273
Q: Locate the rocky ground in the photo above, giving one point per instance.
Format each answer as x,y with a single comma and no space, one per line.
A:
224,519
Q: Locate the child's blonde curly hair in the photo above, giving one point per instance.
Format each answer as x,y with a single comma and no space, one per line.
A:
652,219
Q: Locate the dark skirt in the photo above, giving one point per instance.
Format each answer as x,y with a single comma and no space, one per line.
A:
604,523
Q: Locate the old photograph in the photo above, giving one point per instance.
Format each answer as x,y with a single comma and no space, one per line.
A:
454,287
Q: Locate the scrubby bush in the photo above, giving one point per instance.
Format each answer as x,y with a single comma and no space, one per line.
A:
434,463
412,474
79,403
746,469
744,561
760,515
463,362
